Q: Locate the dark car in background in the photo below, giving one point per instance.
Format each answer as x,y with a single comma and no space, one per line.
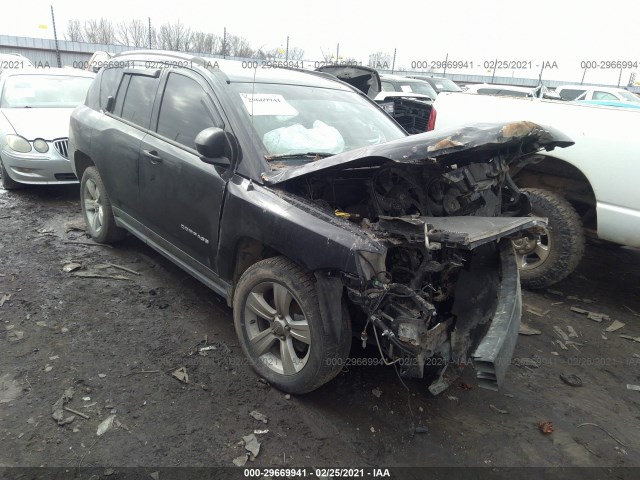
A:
298,199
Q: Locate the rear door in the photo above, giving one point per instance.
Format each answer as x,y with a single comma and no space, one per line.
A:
117,135
182,196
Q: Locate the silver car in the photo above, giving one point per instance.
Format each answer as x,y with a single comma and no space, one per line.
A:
35,106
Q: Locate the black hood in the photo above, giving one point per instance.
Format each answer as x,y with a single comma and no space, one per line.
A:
472,143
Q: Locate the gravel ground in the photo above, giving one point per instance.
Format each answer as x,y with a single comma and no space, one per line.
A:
106,348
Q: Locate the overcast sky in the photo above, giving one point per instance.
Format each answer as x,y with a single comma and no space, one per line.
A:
566,32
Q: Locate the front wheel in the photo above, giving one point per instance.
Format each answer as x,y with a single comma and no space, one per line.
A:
557,252
96,208
280,328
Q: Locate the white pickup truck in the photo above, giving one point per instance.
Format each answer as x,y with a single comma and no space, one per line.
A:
592,187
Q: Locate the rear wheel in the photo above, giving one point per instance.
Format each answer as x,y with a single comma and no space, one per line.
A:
280,328
556,253
6,181
96,208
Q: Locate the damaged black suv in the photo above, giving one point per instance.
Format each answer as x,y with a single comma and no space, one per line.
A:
313,213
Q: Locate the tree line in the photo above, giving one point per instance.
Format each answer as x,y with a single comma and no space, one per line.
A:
170,36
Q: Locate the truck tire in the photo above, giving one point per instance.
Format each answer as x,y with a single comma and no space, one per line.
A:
6,181
556,253
96,209
280,328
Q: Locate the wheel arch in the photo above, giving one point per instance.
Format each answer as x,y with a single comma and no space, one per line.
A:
81,161
564,179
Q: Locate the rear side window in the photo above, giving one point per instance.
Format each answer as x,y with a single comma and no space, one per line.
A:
571,93
185,111
110,79
135,99
597,95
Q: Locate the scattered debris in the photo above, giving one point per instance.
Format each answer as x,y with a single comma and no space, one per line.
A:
41,324
102,375
71,267
87,244
535,312
636,355
57,410
252,445
71,410
598,317
572,332
527,330
99,275
579,310
605,431
555,292
261,417
452,398
546,427
14,335
496,409
526,362
105,425
562,345
633,387
420,429
181,374
510,395
571,379
287,397
9,389
632,311
241,461
616,325
5,298
261,432
54,357
207,348
48,368
561,333
119,267
376,392
629,337
373,430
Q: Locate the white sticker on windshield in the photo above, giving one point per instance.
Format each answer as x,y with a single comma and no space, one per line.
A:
267,104
406,88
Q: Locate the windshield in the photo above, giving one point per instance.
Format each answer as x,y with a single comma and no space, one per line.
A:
445,85
629,97
294,120
418,87
44,91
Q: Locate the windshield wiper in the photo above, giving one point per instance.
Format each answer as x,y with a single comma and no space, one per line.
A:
284,156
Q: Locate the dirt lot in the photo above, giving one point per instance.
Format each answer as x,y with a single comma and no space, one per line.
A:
100,335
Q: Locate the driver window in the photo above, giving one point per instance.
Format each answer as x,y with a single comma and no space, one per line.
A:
185,111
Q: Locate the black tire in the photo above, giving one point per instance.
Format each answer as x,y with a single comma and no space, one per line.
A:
96,209
564,237
315,362
7,182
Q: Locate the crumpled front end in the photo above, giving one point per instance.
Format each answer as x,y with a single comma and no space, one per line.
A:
444,291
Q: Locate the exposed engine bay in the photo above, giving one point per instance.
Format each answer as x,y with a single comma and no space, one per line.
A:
446,226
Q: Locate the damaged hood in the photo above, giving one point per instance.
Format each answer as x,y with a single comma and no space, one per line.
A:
473,143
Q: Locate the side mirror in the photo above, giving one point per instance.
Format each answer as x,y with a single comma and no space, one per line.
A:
110,103
211,143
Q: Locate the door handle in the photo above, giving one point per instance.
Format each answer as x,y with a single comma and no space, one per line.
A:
152,155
